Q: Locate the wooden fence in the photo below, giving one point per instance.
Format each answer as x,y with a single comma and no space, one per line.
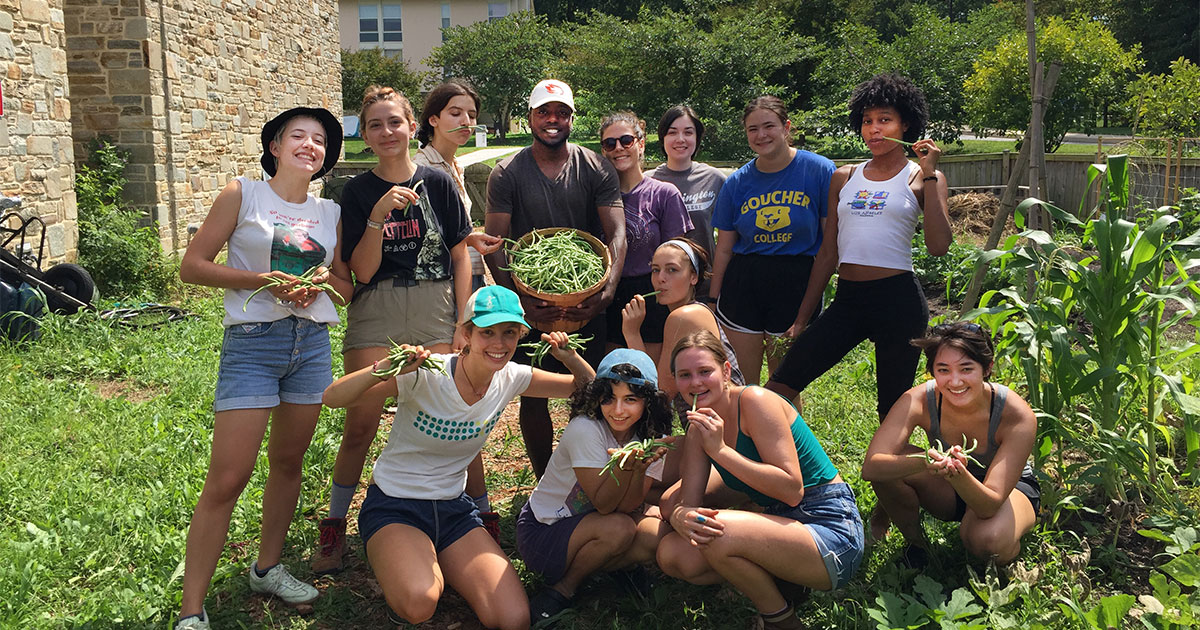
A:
1153,180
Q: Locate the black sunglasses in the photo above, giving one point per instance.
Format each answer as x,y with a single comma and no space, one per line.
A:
611,143
942,329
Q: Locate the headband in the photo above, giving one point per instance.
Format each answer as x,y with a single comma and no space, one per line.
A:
687,249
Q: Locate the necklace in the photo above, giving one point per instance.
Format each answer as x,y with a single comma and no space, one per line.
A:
471,384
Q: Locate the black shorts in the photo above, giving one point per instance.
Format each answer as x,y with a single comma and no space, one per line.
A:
762,294
1027,485
656,314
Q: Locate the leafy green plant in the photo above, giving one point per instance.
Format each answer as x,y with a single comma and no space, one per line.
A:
1090,328
371,66
123,256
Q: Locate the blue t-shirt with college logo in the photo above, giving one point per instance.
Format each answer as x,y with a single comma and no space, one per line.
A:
776,214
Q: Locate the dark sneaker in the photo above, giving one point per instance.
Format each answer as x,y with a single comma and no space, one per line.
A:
914,557
330,547
491,522
545,607
635,581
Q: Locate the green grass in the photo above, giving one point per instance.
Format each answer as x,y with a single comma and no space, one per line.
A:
98,491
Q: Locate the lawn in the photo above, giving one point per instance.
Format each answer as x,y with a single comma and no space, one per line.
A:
104,443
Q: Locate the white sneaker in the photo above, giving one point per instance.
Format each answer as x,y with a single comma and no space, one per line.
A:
281,584
194,623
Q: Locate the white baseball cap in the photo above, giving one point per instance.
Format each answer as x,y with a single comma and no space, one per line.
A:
551,91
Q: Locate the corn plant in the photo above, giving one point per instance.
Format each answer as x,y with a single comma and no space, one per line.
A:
1091,330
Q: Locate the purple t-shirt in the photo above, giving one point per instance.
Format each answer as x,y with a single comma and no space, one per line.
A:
654,212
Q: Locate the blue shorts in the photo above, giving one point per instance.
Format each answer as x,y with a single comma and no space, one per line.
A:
544,547
265,363
832,517
443,521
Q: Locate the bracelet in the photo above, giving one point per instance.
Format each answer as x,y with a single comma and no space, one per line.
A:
931,178
375,369
374,224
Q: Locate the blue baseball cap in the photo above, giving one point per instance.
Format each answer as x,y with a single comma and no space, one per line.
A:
493,305
636,358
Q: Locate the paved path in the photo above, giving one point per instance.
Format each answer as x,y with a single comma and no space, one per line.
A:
486,154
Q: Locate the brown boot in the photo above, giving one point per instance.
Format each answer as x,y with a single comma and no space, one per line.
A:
330,547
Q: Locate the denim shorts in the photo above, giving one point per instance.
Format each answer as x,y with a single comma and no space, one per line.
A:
265,363
832,516
443,521
544,547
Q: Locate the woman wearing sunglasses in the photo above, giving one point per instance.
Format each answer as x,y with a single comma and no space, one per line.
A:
977,471
654,213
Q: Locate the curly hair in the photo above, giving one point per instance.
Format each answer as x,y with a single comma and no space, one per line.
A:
972,339
891,90
656,417
376,93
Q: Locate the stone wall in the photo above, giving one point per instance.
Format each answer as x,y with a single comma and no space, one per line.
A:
36,156
186,86
228,67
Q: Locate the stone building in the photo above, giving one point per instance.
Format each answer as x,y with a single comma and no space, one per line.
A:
183,85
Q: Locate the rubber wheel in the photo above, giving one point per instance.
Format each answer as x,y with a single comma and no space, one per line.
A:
73,280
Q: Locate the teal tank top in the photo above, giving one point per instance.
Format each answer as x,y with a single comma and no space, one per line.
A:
815,464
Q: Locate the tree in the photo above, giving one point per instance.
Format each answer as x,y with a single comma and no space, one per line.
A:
713,57
502,58
1168,104
370,66
935,53
1095,68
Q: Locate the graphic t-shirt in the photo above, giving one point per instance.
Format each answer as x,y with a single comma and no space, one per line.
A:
275,235
699,186
584,444
654,212
877,219
518,187
416,240
776,214
436,434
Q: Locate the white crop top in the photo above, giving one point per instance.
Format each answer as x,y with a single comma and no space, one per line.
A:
876,220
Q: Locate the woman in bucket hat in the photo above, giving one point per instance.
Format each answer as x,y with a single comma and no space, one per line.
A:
275,358
421,530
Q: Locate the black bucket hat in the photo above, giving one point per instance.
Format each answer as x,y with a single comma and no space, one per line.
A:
333,137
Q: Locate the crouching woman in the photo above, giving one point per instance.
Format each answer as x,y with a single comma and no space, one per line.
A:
808,533
984,480
421,530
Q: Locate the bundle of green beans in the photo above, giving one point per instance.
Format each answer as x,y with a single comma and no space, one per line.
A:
400,356
304,280
539,349
945,452
559,264
646,447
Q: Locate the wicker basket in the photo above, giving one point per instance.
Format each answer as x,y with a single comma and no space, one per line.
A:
565,299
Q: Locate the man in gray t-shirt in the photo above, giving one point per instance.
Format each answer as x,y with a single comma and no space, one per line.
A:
554,183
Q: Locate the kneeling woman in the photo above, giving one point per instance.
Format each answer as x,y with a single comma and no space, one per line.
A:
579,519
996,496
420,529
809,532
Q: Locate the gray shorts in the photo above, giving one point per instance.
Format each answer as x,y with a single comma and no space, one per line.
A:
388,310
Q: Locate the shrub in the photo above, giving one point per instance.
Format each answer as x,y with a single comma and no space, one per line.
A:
370,66
123,256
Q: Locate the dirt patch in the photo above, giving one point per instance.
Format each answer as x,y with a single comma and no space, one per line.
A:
971,216
133,392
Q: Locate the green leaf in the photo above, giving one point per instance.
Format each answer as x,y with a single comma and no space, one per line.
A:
962,604
1185,569
1111,611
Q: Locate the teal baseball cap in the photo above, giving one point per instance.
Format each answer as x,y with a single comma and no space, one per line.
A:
627,356
493,305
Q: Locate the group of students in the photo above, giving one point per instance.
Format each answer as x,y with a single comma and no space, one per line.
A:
744,493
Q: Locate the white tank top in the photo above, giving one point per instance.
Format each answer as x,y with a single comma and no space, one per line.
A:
272,234
876,220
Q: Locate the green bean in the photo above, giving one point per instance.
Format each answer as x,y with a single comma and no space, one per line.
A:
650,294
475,128
620,456
907,144
400,356
303,280
539,349
694,397
559,264
942,451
